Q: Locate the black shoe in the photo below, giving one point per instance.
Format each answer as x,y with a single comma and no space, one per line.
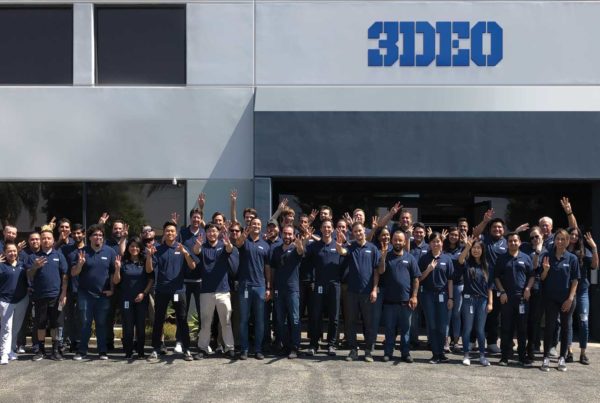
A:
293,354
443,358
110,347
584,360
199,356
39,355
408,359
503,362
527,363
244,355
103,356
230,354
331,351
141,356
569,357
129,357
259,356
57,356
434,360
163,349
385,358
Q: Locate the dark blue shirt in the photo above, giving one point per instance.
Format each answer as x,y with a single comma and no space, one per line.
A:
326,261
418,250
215,266
70,252
48,278
13,282
286,267
494,248
254,256
97,270
549,242
514,273
585,265
307,268
169,266
114,245
400,271
437,280
561,274
476,284
454,253
361,261
188,239
134,279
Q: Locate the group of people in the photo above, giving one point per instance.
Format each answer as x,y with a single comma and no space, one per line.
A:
243,276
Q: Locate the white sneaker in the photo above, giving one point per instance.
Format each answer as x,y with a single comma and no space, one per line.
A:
561,364
4,360
12,356
545,364
466,361
178,348
21,350
153,356
484,361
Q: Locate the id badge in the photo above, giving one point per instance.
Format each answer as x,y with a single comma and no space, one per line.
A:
320,289
467,296
246,294
421,288
522,308
441,297
176,297
126,305
498,293
276,293
471,309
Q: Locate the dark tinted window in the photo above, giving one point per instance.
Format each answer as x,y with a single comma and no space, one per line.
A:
141,45
36,45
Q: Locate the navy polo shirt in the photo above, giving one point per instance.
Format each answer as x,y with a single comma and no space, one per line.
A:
418,250
360,262
214,267
274,243
474,279
188,238
1,246
584,270
113,244
25,253
307,269
494,248
549,242
70,252
399,273
48,278
13,283
326,261
169,267
514,273
133,279
254,256
97,270
561,274
286,268
437,280
454,253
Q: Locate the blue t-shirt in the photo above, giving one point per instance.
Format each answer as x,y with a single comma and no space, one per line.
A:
585,266
326,261
97,270
400,271
254,256
360,262
214,268
285,264
13,282
133,279
48,278
494,248
307,269
528,249
418,250
476,284
169,266
514,273
188,239
454,253
561,274
437,280
71,254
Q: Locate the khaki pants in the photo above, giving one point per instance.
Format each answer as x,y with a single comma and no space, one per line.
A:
208,302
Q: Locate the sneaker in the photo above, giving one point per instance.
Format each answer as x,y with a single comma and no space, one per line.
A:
569,357
493,349
57,356
528,363
141,356
310,351
79,357
446,348
38,356
352,356
103,356
188,356
259,356
4,360
562,366
545,364
21,350
443,358
153,356
331,351
386,358
583,359
434,360
178,348
368,356
503,362
553,353
457,349
466,361
163,349
244,355
484,361
12,356
230,354
129,357
293,354
35,348
407,359
200,356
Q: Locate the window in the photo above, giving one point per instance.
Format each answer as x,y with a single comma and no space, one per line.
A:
36,45
141,45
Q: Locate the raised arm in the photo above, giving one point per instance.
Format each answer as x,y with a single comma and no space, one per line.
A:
594,248
279,210
487,216
388,217
566,205
233,205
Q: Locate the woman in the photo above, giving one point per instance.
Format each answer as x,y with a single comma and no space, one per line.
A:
135,286
382,236
437,294
13,301
560,277
453,247
588,260
477,297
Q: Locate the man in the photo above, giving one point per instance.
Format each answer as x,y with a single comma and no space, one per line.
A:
72,317
10,234
64,234
463,226
254,278
285,264
273,239
33,246
218,219
328,271
169,262
418,247
214,268
400,273
514,277
307,272
545,224
47,272
235,232
362,258
95,265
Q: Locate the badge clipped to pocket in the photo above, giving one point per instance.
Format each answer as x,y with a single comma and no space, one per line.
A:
246,294
176,297
522,308
126,305
441,297
320,289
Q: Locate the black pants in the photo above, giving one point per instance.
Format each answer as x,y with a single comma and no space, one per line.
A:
191,289
328,296
47,314
552,309
513,317
72,319
115,303
306,288
359,303
534,320
133,316
491,323
161,302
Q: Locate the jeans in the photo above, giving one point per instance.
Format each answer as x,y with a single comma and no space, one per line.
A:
252,300
161,302
491,324
396,318
377,314
455,317
133,316
583,310
95,309
474,313
435,305
306,289
514,315
115,305
222,302
72,320
534,320
330,297
552,309
359,303
287,306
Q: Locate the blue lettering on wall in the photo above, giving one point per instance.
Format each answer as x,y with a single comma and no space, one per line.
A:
459,43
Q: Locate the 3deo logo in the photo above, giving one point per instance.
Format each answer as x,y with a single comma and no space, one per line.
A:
388,33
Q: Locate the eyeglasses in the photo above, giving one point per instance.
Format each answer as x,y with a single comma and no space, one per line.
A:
98,235
234,230
535,237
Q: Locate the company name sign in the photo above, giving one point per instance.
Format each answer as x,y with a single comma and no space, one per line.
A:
458,43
